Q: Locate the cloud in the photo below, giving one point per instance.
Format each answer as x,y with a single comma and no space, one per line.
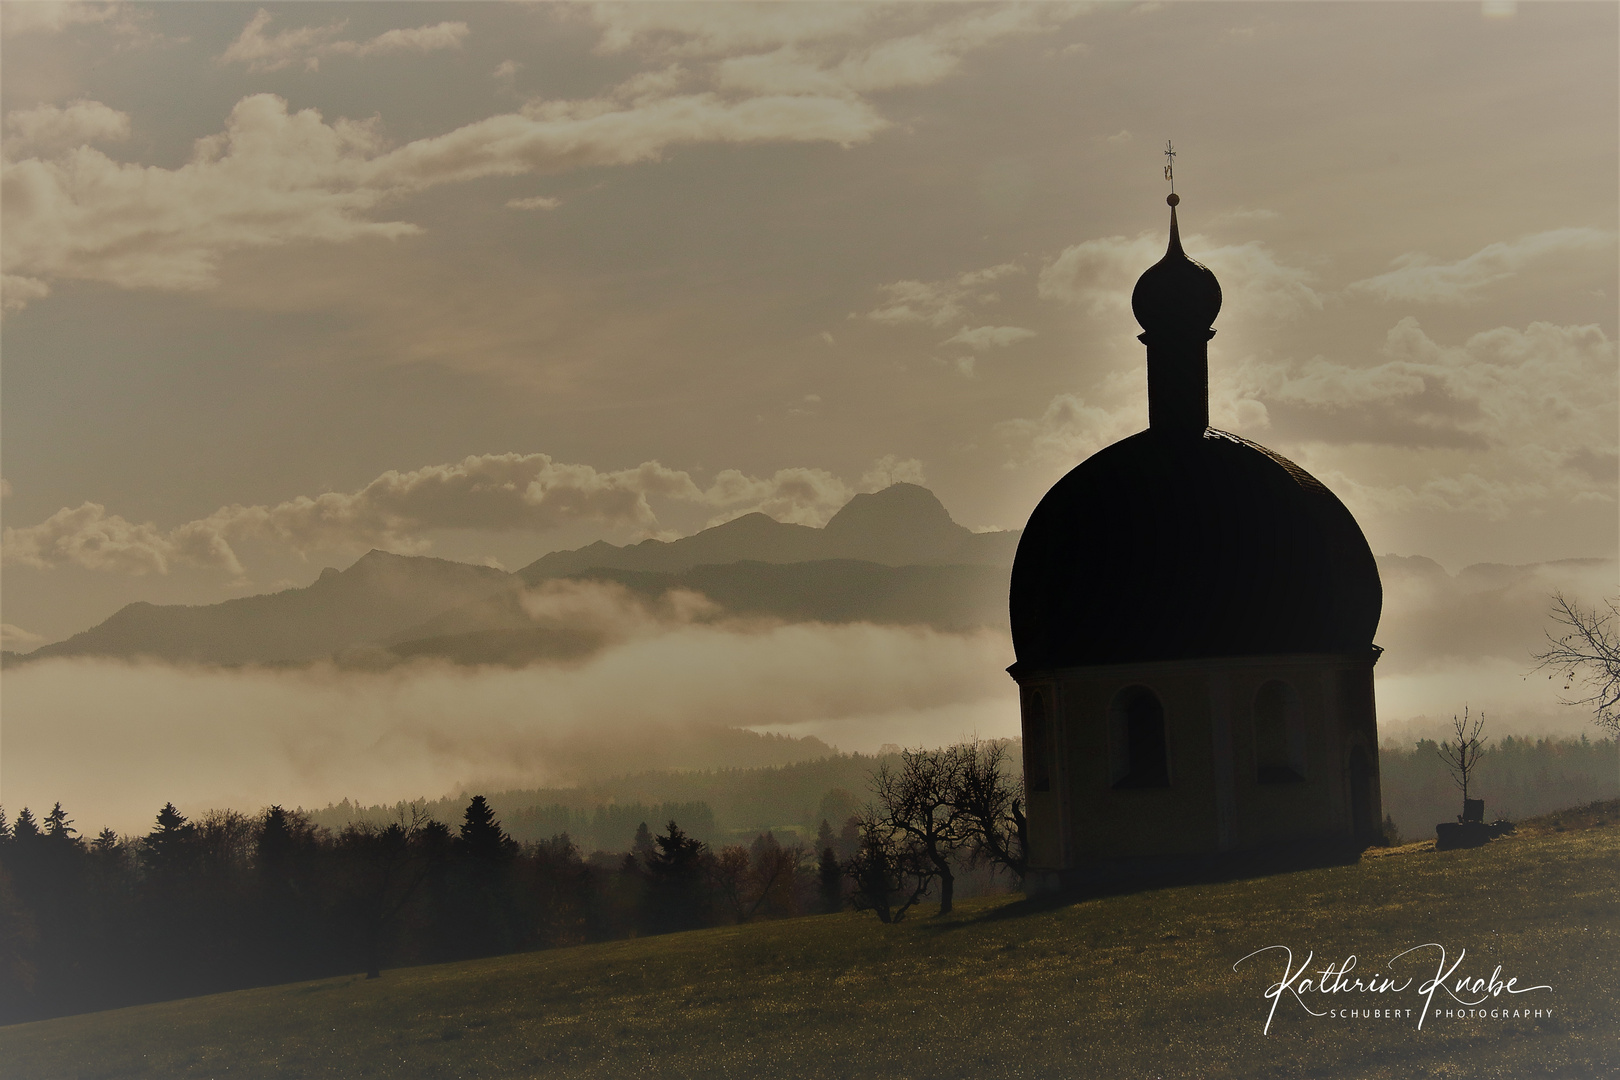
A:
936,303
982,338
890,469
274,177
16,291
1534,408
492,492
1546,387
535,202
309,44
922,58
1098,276
1069,430
16,639
270,178
1487,611
54,16
49,127
1418,279
115,741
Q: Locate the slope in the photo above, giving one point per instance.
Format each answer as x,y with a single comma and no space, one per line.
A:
1112,986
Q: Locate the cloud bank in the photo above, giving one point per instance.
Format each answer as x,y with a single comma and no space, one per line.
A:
738,75
310,44
492,492
1420,280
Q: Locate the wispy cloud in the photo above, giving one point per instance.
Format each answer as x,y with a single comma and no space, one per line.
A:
275,177
938,303
1419,279
983,338
308,45
737,74
1098,276
1534,408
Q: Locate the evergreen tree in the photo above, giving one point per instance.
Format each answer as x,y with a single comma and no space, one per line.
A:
832,879
482,836
58,826
26,830
825,838
167,845
676,896
642,847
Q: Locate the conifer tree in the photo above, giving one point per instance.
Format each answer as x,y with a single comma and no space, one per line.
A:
26,829
58,826
832,879
482,836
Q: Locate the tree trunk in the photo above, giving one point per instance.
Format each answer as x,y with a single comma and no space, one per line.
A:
947,887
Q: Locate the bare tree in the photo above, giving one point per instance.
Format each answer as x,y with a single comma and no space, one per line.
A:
990,802
389,864
1462,756
888,869
918,804
1587,653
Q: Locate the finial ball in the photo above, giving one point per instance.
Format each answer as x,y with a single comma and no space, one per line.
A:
1173,199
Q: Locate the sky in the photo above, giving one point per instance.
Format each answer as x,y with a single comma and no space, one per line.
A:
286,283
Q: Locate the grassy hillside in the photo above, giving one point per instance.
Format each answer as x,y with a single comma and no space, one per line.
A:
1135,985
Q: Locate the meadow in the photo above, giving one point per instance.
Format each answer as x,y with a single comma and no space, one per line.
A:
1129,985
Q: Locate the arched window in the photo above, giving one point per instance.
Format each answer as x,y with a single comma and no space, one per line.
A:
1037,743
1137,745
1279,734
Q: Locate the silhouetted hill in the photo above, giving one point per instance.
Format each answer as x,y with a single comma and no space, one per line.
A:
901,525
378,595
894,556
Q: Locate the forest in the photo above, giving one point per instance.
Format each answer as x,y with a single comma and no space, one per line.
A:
229,900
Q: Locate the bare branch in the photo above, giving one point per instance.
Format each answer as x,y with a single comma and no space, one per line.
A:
1586,655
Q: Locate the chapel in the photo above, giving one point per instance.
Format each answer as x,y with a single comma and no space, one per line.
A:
1193,620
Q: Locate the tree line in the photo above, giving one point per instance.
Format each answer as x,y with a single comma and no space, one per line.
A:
1517,777
230,900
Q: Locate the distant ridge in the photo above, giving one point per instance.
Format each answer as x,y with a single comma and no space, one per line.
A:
374,597
902,525
891,556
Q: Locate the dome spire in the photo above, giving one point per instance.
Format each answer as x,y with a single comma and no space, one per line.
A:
1176,300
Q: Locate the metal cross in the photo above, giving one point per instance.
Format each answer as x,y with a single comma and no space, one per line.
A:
1170,165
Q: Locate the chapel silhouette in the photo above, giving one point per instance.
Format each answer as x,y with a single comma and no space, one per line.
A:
1193,618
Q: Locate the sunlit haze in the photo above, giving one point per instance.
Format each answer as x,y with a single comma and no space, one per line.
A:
287,283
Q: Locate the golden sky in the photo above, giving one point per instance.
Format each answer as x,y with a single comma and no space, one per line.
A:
286,283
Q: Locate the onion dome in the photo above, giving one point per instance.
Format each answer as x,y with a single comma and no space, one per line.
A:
1176,296
1182,542
1169,548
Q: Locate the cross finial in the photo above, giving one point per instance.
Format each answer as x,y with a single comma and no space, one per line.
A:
1170,165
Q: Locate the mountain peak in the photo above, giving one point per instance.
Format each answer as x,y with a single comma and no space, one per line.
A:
908,506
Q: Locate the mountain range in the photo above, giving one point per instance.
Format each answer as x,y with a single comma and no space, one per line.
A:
894,556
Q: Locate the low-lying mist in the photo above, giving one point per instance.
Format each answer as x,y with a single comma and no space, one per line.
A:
114,741
670,681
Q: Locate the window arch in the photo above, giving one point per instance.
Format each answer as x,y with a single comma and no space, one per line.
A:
1037,743
1279,734
1138,748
